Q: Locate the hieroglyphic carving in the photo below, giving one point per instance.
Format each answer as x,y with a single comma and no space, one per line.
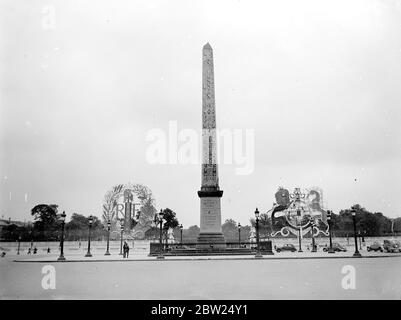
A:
208,98
210,193
209,151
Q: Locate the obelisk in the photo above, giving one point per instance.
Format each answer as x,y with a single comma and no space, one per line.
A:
210,193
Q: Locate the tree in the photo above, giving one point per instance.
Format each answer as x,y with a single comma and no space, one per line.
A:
230,230
265,225
152,233
170,220
367,223
10,232
45,213
77,227
336,223
397,225
384,223
191,234
46,222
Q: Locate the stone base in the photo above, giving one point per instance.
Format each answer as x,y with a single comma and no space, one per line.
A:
211,240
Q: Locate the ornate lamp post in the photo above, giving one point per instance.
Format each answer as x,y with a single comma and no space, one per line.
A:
181,234
155,223
331,250
258,254
161,216
312,223
392,227
88,254
356,254
108,238
299,232
62,219
19,243
121,236
31,236
239,234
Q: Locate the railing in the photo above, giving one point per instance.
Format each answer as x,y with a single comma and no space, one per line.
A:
155,248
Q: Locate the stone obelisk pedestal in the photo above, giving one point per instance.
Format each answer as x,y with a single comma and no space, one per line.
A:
210,235
210,220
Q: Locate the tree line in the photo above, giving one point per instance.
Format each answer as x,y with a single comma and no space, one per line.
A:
47,226
368,224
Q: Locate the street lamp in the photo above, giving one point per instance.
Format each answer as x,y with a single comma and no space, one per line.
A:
299,232
121,236
356,254
88,254
62,219
19,243
31,236
181,234
239,234
108,237
155,223
258,254
329,217
161,216
312,223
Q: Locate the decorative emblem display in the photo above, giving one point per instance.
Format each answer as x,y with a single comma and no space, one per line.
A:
294,213
130,205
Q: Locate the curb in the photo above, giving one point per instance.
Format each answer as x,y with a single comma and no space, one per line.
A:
210,259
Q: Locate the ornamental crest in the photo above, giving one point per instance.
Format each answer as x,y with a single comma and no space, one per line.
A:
300,212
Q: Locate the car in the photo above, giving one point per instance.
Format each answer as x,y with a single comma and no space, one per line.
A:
336,247
286,247
390,246
375,247
398,245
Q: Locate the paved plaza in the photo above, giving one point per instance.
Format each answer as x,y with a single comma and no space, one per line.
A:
377,277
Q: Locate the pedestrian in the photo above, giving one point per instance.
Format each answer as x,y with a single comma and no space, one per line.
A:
35,250
127,250
29,251
124,249
48,250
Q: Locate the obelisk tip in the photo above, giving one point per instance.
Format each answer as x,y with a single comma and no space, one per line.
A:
207,46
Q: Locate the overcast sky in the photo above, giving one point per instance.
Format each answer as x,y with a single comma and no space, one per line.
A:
83,82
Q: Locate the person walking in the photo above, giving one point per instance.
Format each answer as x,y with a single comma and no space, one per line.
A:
125,249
